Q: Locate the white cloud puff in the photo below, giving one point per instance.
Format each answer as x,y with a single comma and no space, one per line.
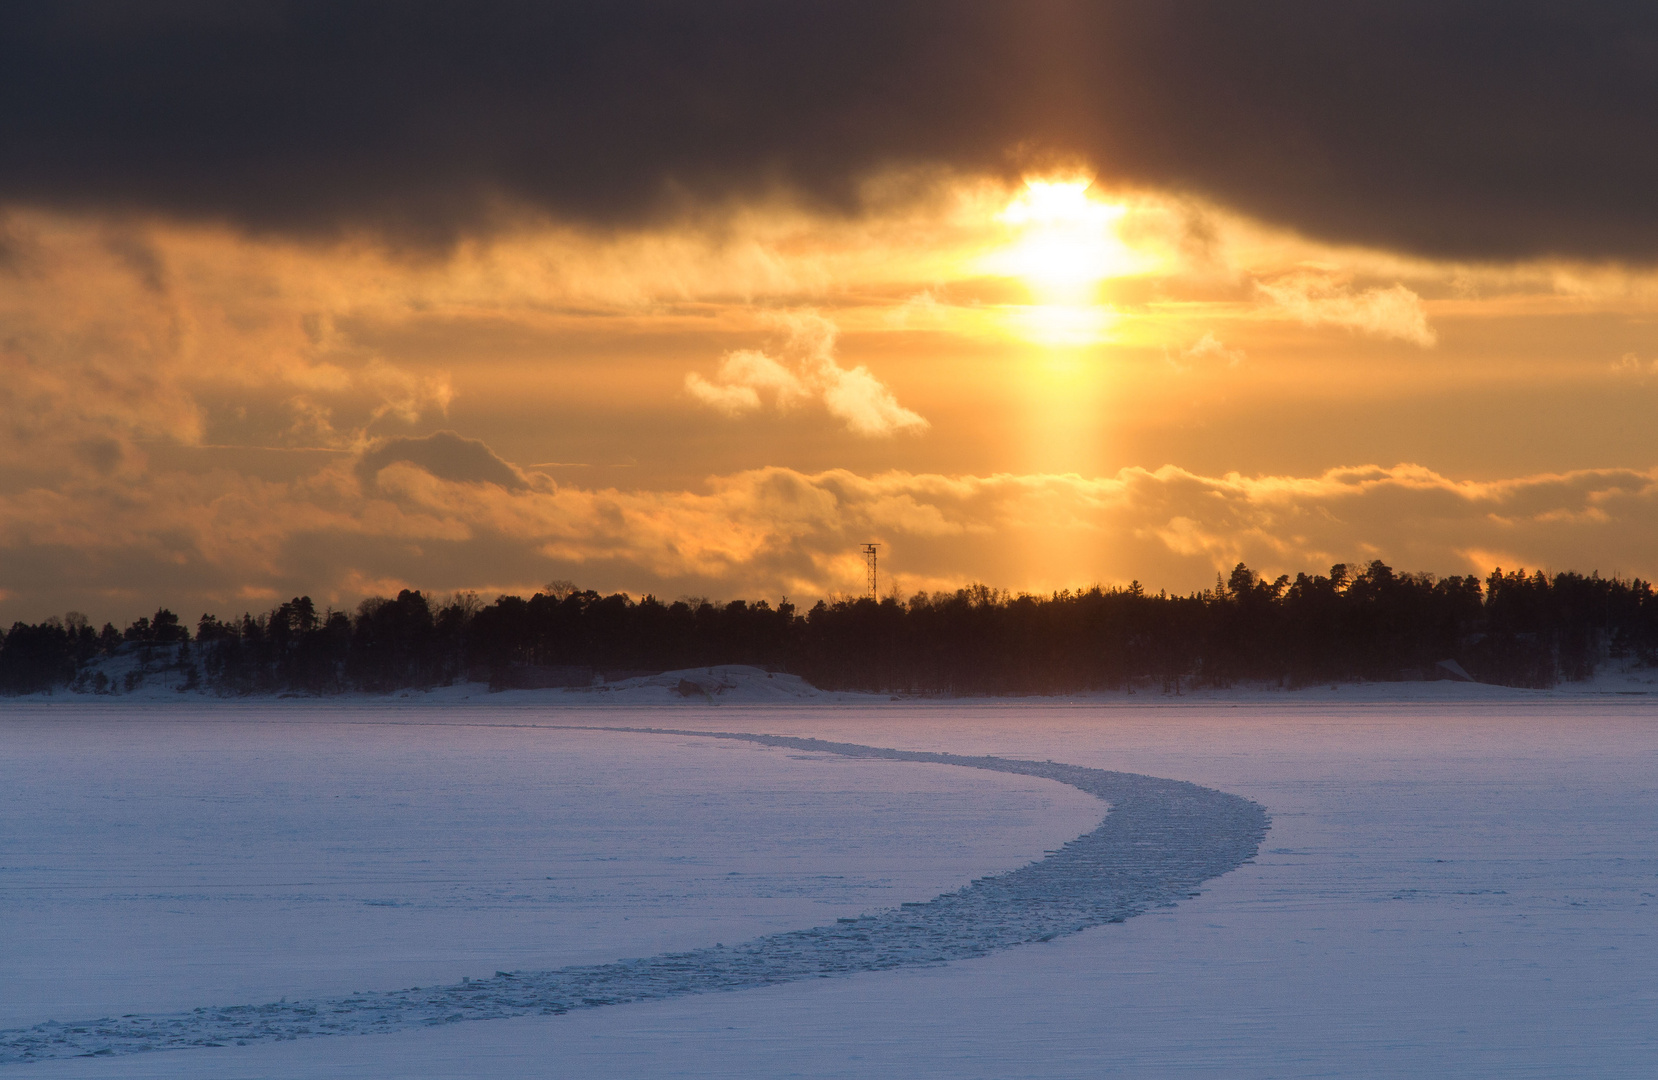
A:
1631,365
807,371
1207,350
1323,299
736,387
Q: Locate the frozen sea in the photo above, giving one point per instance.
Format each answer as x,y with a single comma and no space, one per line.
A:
1462,885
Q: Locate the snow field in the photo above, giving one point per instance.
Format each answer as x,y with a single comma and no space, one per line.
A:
1450,890
1163,839
155,864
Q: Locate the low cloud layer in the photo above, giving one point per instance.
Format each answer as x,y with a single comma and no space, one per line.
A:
1470,130
749,379
223,543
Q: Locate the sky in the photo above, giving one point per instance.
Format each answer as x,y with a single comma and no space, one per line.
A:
342,298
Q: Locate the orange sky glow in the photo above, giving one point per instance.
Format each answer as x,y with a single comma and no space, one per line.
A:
1040,385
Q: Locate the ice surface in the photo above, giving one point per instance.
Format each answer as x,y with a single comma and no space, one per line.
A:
1163,838
170,863
1450,889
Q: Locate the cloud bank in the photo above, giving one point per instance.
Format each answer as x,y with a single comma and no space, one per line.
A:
437,515
1473,129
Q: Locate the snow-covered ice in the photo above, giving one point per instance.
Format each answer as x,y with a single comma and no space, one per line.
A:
1448,889
1163,838
251,854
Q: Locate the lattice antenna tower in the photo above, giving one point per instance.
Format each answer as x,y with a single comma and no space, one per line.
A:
874,582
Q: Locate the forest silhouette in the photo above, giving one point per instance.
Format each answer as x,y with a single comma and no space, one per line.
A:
1514,629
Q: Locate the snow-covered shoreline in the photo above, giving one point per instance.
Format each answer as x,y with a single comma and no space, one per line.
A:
738,684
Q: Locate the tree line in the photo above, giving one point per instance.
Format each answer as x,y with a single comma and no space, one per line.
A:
1372,624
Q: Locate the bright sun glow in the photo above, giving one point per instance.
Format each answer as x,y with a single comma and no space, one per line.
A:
1065,244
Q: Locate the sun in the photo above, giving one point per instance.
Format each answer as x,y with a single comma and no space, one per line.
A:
1064,241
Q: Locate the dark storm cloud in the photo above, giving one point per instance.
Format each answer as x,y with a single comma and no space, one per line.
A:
446,456
1493,129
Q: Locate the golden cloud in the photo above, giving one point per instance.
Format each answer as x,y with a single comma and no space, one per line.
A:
208,538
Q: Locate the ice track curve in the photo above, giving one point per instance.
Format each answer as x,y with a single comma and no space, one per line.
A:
1160,841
